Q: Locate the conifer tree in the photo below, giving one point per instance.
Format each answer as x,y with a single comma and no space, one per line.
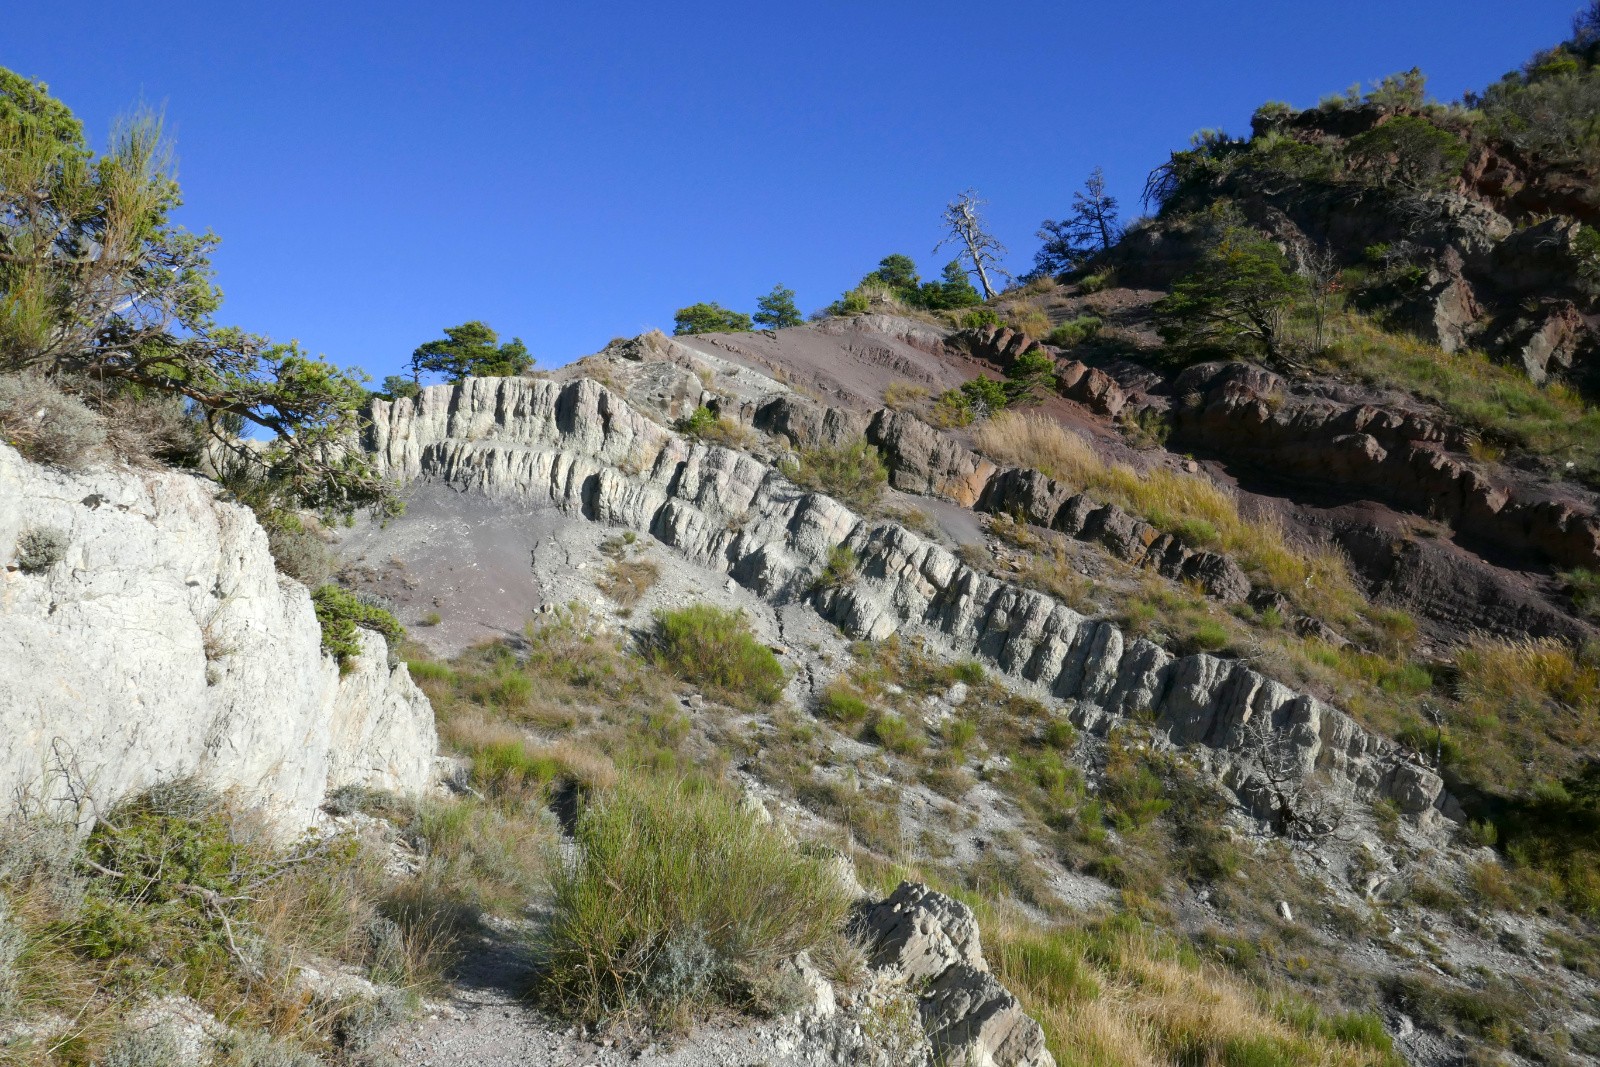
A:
1092,227
777,310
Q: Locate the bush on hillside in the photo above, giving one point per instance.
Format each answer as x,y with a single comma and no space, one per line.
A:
341,612
175,891
709,318
1074,331
853,473
41,547
680,901
48,425
1030,378
709,647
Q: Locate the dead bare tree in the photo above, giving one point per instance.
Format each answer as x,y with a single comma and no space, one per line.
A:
1295,803
965,229
1321,269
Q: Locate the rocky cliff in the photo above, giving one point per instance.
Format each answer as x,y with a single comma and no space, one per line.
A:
155,639
580,447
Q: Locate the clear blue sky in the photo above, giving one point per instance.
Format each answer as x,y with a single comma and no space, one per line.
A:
572,172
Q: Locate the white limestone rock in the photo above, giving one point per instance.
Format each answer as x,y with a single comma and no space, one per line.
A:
164,643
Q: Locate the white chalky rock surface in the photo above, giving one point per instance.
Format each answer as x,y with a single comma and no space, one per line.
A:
165,643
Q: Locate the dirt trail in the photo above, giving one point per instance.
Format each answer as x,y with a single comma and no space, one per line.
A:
485,1021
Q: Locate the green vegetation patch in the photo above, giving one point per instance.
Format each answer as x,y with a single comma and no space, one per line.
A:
680,900
715,649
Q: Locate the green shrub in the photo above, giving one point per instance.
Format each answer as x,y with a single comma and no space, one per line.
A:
1060,735
1209,636
680,900
895,734
969,671
713,648
1074,331
698,422
960,733
977,320
840,569
709,318
340,612
843,706
853,473
985,395
1030,378
40,548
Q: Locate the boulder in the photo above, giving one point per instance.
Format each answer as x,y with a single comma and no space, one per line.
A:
930,941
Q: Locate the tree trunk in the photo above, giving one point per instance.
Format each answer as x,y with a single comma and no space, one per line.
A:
977,264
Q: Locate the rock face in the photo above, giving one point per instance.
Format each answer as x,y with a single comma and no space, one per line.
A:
1093,388
1248,414
970,1018
164,643
579,447
924,461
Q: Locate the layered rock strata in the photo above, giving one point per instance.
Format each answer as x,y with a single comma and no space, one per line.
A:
1075,380
924,461
1248,414
163,643
579,447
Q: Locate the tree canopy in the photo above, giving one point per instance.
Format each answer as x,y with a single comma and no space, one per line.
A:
710,318
471,350
777,310
1235,301
1092,227
97,284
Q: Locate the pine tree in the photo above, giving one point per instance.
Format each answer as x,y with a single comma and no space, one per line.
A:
777,310
1235,302
1093,227
709,318
471,350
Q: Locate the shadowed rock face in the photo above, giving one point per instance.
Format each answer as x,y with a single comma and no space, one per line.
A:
165,643
581,448
1247,414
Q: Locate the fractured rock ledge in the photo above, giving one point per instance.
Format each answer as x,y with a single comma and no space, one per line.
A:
579,447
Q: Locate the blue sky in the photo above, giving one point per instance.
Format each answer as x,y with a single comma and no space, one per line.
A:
573,172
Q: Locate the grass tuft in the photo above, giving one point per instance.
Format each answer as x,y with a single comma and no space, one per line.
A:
680,900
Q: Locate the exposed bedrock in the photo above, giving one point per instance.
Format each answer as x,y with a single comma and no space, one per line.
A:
931,941
163,643
1089,386
579,447
1248,415
924,461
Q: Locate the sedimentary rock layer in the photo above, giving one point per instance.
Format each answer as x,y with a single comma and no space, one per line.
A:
580,447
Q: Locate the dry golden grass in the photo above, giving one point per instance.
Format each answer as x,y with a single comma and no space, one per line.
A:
1190,507
626,580
1129,998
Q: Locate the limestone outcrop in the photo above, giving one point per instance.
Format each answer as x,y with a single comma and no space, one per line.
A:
579,447
924,461
932,942
162,643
